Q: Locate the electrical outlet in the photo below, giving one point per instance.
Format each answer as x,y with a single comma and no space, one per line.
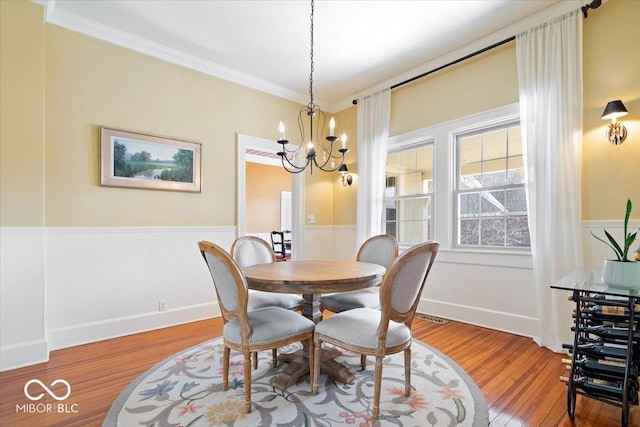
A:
162,305
311,219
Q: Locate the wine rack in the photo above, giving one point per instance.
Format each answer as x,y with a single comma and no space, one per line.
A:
605,354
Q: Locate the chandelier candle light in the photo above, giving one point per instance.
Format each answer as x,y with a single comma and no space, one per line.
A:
332,157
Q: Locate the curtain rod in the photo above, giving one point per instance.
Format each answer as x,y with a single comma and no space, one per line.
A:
593,5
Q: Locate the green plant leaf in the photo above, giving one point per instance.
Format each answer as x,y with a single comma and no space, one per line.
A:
604,242
616,247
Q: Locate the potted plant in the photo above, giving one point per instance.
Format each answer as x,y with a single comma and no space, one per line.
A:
621,272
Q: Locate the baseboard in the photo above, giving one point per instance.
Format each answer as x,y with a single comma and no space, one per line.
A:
113,328
500,321
24,354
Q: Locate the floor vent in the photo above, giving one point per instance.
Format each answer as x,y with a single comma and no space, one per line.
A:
433,319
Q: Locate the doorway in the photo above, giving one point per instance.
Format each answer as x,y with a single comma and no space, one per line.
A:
263,151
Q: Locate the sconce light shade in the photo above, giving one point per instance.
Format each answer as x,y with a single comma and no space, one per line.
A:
616,133
613,110
346,180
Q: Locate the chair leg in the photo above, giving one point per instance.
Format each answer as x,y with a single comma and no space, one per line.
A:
363,361
274,356
225,368
312,364
377,385
247,382
407,371
316,365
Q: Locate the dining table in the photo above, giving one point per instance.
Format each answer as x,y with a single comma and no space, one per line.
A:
311,279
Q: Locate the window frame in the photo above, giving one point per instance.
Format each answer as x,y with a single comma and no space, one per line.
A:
407,145
481,127
443,134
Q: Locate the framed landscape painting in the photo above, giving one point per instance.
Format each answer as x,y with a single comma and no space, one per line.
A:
130,159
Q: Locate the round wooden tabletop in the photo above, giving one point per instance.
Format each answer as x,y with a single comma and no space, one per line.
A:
313,277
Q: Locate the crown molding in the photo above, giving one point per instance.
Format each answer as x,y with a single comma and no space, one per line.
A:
54,15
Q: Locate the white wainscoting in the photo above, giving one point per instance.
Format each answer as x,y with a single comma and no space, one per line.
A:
22,285
62,287
108,282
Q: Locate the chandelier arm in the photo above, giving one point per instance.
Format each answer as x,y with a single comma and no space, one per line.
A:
291,168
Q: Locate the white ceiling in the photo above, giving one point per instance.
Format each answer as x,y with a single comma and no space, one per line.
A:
265,44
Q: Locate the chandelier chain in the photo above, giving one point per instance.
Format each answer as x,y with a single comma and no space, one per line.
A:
311,104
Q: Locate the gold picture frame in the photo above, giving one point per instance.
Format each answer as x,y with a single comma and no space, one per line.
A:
138,160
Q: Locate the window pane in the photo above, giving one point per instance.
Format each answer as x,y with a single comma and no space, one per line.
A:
405,231
405,209
492,203
469,205
490,163
516,201
518,231
470,152
469,232
393,164
492,232
515,170
408,194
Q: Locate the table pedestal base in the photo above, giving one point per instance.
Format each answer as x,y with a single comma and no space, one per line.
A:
299,367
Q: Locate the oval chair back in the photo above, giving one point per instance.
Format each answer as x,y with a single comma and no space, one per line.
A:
251,250
381,250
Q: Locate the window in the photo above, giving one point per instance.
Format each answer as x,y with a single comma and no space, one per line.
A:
489,195
409,194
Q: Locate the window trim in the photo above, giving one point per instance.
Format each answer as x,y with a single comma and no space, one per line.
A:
477,128
444,175
398,146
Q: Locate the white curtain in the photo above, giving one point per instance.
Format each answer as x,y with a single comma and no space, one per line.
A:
373,134
550,79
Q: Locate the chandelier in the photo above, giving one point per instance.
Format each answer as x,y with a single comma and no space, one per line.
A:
332,157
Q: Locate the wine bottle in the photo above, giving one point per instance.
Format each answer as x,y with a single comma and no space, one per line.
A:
603,351
610,312
610,334
604,367
606,389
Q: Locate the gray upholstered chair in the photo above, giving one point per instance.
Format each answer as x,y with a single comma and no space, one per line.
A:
251,250
249,331
374,332
382,250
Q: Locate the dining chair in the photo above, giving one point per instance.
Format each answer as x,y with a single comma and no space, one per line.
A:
279,245
251,250
249,331
386,331
382,250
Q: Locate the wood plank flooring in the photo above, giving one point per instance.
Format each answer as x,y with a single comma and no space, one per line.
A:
519,380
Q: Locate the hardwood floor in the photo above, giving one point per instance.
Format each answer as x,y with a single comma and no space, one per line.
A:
519,380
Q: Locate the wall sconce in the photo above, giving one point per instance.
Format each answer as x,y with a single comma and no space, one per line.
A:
348,179
616,133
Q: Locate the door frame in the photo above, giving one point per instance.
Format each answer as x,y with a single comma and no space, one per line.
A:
297,189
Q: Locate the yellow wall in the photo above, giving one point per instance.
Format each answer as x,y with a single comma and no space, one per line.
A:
611,60
482,83
91,83
264,184
21,113
611,46
345,199
58,87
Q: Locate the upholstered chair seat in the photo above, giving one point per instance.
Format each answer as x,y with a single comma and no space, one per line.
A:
386,331
247,331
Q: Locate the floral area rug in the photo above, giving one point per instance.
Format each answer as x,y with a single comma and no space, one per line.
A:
186,390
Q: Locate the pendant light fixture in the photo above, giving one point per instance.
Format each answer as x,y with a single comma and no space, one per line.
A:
332,157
